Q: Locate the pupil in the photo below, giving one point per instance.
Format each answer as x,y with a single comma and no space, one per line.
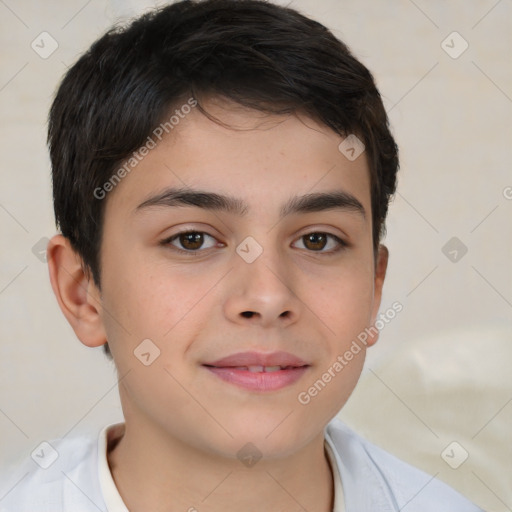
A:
316,241
192,240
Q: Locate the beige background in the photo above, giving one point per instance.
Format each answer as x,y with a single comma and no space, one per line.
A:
441,370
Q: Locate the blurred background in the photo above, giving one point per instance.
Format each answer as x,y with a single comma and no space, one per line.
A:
437,387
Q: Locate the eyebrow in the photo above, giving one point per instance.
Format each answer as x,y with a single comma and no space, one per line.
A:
315,202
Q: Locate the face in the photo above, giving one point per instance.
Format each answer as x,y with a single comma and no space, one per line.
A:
258,272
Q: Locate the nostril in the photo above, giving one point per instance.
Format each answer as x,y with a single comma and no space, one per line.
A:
248,314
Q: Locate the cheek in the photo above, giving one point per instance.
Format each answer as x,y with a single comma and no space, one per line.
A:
152,299
342,300
343,309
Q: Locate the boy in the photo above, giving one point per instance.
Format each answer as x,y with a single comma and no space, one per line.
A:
222,171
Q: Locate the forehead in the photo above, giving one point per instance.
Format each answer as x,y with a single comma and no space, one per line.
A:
261,158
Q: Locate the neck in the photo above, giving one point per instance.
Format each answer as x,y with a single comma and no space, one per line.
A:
153,471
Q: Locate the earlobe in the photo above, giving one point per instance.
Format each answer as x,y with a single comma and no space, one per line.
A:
76,293
381,266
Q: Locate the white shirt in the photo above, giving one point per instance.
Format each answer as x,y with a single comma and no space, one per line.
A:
79,480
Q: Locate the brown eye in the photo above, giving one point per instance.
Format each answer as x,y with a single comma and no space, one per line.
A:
315,241
318,241
190,241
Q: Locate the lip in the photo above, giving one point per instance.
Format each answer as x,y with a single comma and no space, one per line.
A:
259,359
259,381
228,369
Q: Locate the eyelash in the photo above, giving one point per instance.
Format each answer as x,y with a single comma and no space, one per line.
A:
167,243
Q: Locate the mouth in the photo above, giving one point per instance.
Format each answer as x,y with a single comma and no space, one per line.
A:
257,368
256,360
259,377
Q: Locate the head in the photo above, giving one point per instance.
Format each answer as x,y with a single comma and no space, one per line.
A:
240,107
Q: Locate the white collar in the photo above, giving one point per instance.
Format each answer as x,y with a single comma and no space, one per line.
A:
111,496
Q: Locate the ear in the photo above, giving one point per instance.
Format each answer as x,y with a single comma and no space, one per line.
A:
381,266
78,296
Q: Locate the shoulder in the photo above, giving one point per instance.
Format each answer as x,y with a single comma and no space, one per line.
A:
393,482
59,475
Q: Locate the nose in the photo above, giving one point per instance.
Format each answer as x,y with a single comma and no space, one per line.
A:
262,293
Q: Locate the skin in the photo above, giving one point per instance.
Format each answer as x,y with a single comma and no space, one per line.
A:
184,426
